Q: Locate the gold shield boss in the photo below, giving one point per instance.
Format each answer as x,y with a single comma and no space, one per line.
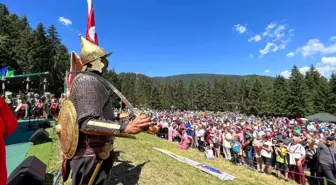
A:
67,129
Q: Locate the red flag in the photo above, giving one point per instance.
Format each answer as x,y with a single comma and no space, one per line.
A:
91,26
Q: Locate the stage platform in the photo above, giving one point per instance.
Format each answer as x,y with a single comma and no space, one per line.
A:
17,144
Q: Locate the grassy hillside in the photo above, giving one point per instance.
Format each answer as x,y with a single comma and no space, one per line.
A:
137,162
187,78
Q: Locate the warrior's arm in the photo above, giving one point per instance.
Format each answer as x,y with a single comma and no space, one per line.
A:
90,97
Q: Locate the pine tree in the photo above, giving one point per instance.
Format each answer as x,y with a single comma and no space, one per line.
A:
280,96
38,56
113,77
298,93
217,99
266,100
243,95
312,84
179,97
200,95
235,97
191,96
227,94
208,98
155,102
323,91
254,97
331,106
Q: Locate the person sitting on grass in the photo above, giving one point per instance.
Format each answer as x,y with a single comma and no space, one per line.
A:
209,153
236,149
185,140
281,163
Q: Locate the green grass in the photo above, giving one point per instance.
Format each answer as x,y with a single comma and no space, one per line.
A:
47,152
43,151
138,162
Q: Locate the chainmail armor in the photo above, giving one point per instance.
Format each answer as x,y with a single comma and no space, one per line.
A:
93,103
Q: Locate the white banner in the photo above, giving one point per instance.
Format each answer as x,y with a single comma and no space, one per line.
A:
203,167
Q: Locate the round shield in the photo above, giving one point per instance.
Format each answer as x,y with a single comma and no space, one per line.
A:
67,129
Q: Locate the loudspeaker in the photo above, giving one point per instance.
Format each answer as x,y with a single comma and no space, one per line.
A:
40,136
30,172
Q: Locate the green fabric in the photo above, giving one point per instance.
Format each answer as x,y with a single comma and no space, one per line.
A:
322,117
298,131
10,73
28,75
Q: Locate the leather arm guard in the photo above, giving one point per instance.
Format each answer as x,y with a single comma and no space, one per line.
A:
102,127
94,107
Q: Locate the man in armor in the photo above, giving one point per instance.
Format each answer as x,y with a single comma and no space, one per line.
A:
93,104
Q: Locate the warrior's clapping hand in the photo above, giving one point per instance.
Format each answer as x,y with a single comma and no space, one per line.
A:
139,124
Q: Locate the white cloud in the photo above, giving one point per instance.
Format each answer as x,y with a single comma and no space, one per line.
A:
276,36
285,74
315,46
304,69
329,61
65,21
270,47
279,32
240,28
267,71
327,66
251,56
290,54
256,38
332,39
271,26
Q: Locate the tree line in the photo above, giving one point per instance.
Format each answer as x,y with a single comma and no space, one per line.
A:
28,50
300,95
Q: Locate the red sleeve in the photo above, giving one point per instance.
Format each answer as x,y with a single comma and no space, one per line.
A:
8,118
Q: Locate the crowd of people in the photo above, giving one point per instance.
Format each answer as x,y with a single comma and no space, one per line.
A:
33,105
267,144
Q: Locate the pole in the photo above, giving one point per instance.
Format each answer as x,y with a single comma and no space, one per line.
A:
27,86
44,85
95,172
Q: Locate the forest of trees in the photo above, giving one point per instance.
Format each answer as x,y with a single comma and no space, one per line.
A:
28,50
300,95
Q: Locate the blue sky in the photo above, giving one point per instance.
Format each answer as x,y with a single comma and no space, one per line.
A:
168,37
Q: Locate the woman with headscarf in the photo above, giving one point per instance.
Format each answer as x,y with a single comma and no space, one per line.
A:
8,124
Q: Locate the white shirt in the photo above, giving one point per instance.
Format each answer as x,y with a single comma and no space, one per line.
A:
201,133
164,124
296,150
266,153
227,138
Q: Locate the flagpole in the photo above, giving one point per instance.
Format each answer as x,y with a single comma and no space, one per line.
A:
91,33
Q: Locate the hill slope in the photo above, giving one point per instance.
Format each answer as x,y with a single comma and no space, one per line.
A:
139,162
187,78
